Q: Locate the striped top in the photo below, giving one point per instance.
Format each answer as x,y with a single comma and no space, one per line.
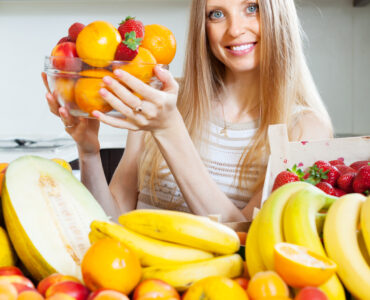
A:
221,159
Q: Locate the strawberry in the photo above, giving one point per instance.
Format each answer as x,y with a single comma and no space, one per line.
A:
129,48
74,31
287,176
64,39
336,162
344,169
339,192
358,164
361,183
323,171
326,187
345,181
130,24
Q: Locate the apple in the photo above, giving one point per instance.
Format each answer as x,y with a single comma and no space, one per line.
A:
72,288
52,279
106,294
63,57
155,288
10,270
311,293
64,39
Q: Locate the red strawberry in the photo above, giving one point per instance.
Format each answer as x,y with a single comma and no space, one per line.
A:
326,187
128,48
130,24
358,164
336,162
74,30
287,176
344,169
339,192
361,183
345,181
331,172
64,39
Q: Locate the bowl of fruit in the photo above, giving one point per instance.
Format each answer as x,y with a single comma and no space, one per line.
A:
78,63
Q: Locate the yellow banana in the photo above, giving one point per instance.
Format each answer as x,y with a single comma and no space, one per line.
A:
299,223
182,276
340,237
270,223
365,223
182,228
7,255
151,252
252,253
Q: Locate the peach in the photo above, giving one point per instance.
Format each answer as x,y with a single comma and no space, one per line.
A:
104,294
30,295
18,281
155,288
52,279
64,57
7,291
10,270
60,296
311,293
72,288
243,282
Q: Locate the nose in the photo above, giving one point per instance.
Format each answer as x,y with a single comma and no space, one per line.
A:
237,25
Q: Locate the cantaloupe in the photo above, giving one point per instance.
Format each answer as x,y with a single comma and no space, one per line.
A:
47,213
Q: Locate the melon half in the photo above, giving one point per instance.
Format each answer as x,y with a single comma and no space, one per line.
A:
47,213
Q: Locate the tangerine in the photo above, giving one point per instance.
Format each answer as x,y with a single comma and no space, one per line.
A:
141,66
109,264
300,267
97,42
87,88
161,42
267,284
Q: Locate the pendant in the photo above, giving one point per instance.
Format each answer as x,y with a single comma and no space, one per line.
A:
223,131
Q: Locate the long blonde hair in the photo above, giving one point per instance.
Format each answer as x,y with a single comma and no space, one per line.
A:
285,84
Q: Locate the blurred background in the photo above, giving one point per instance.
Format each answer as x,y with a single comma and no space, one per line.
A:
337,46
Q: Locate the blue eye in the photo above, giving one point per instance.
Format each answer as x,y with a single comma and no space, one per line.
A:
252,9
215,14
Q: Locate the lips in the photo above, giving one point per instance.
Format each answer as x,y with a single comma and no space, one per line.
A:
241,49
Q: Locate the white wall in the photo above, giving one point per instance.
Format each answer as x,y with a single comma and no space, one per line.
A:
338,52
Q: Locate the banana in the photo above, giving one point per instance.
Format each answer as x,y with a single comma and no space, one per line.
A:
151,252
340,237
182,276
299,225
182,228
252,253
7,255
365,223
270,223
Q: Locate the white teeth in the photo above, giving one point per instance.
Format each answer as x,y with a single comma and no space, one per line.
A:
241,47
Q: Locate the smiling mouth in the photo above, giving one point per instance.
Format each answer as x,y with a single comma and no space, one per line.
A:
242,47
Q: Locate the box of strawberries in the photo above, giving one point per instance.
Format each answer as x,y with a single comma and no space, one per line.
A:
337,166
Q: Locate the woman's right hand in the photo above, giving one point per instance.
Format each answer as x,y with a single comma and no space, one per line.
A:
83,130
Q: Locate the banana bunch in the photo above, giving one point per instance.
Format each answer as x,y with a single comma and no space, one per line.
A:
176,247
7,254
348,246
290,214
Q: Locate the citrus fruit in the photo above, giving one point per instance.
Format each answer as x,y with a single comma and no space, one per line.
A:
97,42
63,163
216,288
267,284
110,264
300,267
155,288
141,66
87,88
64,87
161,42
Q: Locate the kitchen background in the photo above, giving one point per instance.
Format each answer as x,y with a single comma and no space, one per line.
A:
337,46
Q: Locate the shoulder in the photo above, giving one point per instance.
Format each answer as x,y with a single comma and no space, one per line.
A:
309,125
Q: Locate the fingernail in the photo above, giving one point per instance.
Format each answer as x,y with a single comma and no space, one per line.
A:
103,92
107,80
118,72
95,113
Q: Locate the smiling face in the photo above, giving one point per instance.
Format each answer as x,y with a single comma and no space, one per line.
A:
233,31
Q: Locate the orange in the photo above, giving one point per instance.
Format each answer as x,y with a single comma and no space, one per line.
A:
216,288
155,288
300,267
30,295
87,88
159,40
141,66
97,43
64,87
109,264
267,284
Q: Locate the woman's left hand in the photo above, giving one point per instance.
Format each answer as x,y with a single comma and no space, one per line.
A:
153,113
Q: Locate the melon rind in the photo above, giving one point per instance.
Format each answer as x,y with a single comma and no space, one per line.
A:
47,213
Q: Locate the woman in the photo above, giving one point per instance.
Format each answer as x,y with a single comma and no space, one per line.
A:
203,149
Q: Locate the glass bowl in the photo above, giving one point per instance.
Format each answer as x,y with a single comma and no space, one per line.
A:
76,82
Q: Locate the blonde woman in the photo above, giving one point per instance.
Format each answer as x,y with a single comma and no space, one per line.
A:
202,147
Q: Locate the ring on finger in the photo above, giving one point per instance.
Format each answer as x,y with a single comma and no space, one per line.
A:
138,109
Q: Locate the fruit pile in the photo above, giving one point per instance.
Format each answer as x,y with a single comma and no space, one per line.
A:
91,52
333,177
335,233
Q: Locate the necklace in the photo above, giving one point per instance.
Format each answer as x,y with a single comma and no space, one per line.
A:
223,130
